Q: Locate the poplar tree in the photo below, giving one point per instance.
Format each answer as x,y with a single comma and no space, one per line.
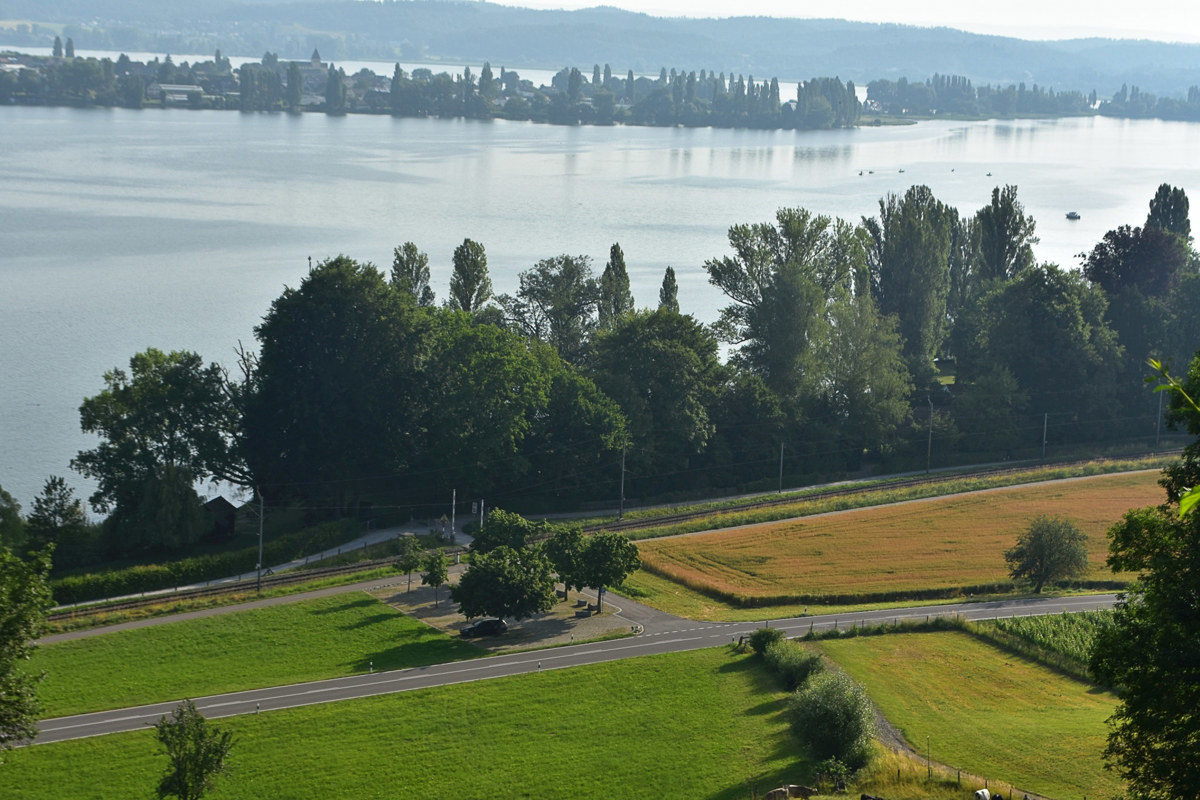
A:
668,294
470,286
616,299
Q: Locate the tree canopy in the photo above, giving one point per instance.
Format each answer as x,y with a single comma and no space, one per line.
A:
506,582
1151,654
1051,549
608,559
470,286
168,423
24,600
196,753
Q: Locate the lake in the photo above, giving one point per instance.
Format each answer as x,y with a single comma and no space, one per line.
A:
175,229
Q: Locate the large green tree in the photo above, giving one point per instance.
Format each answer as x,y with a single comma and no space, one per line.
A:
332,403
1051,549
196,753
482,390
911,271
607,560
616,299
170,418
565,549
778,279
1151,654
661,368
505,529
571,445
866,386
1048,330
470,286
1006,236
410,273
24,600
557,303
1169,211
58,518
506,583
668,293
1151,260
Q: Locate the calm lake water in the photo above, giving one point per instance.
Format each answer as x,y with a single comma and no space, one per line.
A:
123,230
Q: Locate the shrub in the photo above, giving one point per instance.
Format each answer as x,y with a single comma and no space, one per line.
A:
793,663
833,717
762,637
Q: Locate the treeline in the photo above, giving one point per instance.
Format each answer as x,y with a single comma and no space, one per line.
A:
1130,101
954,94
675,98
914,337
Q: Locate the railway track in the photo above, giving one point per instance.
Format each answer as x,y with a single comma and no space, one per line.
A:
216,590
750,504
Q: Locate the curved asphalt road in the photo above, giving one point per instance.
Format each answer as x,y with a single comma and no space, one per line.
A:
661,633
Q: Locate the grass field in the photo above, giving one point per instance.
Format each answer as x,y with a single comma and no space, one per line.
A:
706,724
985,711
892,550
310,640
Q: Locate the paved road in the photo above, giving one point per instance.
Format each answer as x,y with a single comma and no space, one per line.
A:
662,633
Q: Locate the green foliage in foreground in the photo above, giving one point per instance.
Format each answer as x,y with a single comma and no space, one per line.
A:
699,724
986,711
323,638
195,753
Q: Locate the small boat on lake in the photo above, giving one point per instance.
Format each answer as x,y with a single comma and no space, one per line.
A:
1072,215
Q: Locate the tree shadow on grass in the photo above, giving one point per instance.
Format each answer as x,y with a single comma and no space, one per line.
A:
422,653
361,602
760,783
373,619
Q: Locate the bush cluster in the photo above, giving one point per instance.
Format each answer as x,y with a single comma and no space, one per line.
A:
762,638
793,663
829,712
834,718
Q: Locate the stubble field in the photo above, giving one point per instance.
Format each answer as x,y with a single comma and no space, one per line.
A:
890,551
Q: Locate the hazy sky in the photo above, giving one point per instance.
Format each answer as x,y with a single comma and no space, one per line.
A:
1164,20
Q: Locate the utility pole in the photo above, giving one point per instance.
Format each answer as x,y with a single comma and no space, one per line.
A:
453,503
621,503
1158,422
1045,424
929,447
781,467
260,538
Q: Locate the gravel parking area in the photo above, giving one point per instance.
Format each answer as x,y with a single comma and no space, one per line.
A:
557,626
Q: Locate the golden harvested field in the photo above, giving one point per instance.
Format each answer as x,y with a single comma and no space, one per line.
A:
941,543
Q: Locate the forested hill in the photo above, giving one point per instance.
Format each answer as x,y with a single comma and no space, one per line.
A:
474,32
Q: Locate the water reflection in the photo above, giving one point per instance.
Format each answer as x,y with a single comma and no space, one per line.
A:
186,225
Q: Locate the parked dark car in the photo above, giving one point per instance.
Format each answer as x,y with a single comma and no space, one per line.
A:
488,626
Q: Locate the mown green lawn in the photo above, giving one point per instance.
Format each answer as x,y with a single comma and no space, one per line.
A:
311,640
706,724
986,711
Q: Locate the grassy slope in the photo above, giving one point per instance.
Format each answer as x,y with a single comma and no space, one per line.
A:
948,542
323,638
703,724
985,711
